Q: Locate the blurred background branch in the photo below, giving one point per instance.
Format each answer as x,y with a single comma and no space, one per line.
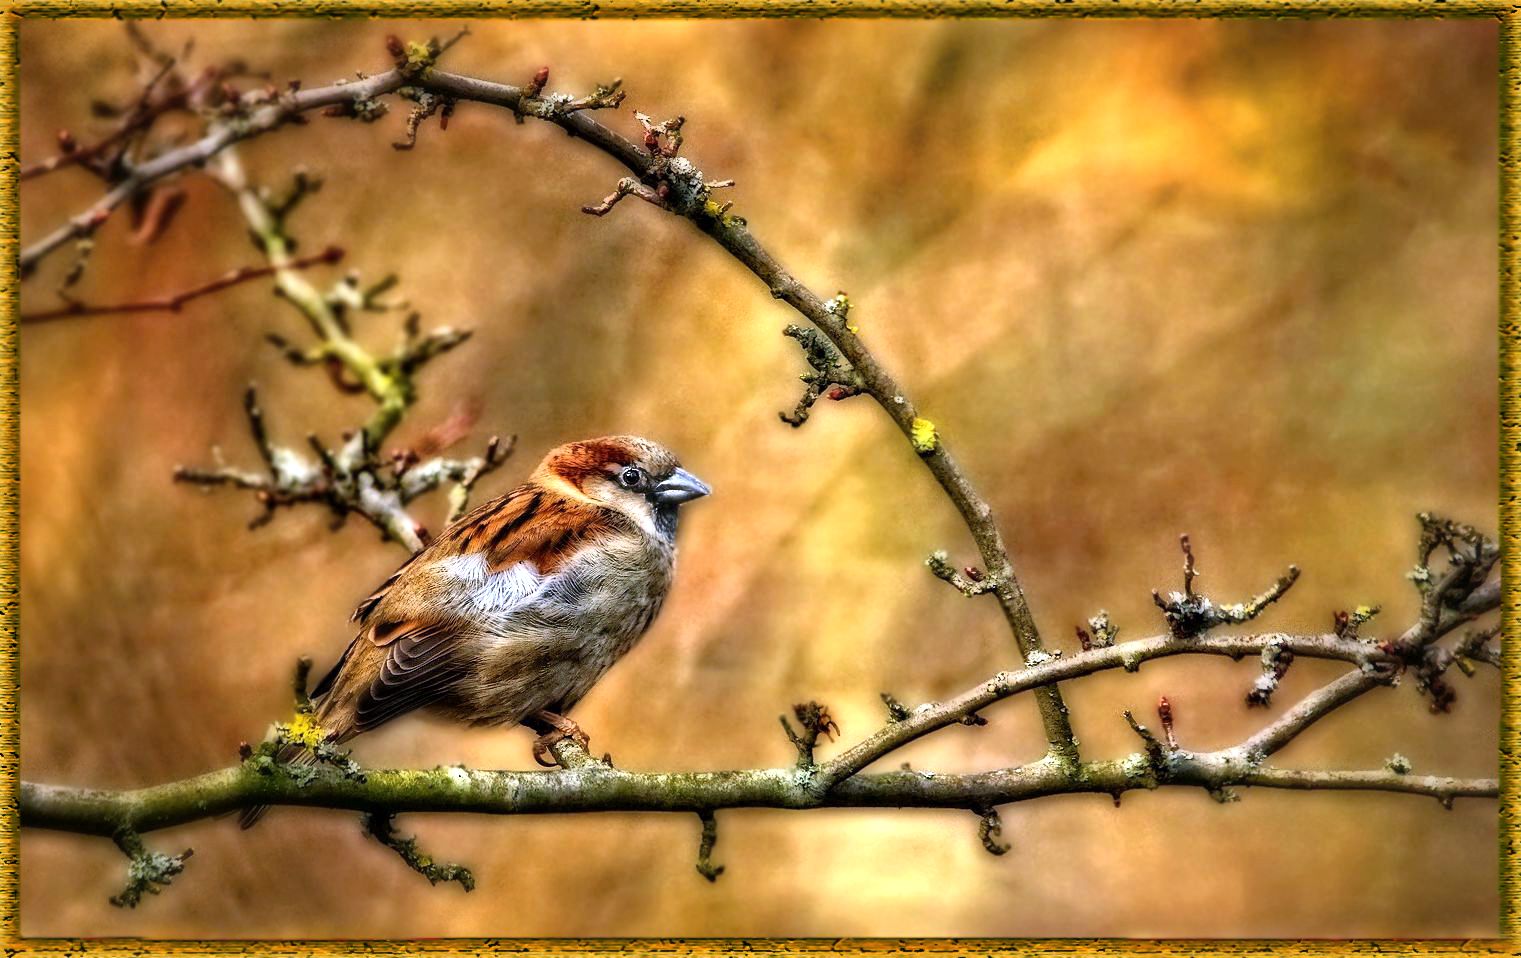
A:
352,477
356,477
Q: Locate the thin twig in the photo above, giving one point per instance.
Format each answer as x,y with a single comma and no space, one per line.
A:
705,866
260,120
175,302
381,826
1311,709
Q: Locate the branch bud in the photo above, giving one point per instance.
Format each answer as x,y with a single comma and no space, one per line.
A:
536,85
395,48
1164,712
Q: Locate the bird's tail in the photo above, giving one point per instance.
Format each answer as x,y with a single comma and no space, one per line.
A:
286,755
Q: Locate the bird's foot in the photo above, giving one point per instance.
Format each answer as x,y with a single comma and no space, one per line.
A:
561,728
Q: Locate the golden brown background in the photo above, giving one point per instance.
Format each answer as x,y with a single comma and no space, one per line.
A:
1225,277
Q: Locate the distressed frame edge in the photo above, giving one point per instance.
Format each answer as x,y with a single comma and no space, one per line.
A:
763,9
1510,468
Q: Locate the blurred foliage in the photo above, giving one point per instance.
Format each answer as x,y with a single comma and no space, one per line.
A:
1233,278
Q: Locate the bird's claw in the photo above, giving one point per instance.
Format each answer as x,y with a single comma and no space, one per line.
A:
561,728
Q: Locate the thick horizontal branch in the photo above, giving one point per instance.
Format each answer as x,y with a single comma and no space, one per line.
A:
589,785
594,787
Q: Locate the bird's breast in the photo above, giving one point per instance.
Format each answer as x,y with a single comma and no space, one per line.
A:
545,648
609,590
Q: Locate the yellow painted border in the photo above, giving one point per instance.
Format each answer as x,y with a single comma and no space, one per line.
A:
10,487
1509,15
810,9
1510,464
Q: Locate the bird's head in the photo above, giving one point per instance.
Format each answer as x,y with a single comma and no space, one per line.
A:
635,476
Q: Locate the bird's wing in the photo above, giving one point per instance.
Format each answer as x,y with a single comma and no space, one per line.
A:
490,563
421,665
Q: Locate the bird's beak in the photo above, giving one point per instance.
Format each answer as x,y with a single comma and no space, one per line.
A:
681,486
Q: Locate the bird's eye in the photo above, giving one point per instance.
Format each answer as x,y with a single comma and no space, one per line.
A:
631,477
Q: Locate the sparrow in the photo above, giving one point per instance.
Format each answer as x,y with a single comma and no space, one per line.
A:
520,606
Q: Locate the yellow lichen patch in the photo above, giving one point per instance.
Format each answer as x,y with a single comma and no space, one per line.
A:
924,437
304,730
419,55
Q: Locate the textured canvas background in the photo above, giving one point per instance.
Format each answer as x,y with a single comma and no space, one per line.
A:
1224,277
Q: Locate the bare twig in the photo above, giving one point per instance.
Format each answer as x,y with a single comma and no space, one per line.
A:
381,826
351,478
1156,752
1311,709
1164,715
815,721
628,186
105,155
147,871
173,303
1275,665
705,866
1475,647
1190,614
990,831
828,376
261,119
971,581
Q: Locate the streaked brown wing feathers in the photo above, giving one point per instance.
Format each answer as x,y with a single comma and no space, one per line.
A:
421,666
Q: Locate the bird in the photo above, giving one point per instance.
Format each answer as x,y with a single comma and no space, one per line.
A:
516,610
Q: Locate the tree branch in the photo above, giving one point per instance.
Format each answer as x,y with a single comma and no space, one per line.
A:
173,303
279,110
589,785
352,478
1311,709
381,826
597,788
1373,661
